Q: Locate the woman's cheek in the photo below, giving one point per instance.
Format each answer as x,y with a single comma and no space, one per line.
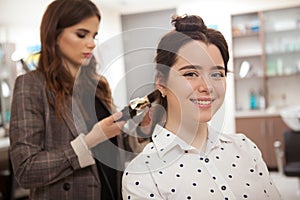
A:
180,86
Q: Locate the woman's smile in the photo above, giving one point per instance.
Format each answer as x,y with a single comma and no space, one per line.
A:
203,102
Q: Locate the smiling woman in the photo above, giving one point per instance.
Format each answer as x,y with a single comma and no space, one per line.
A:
196,80
188,159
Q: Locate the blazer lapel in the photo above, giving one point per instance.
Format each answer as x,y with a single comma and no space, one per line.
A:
73,118
76,123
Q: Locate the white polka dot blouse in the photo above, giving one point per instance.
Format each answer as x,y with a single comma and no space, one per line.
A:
230,168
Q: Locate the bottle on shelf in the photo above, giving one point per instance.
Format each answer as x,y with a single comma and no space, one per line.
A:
279,66
253,100
261,99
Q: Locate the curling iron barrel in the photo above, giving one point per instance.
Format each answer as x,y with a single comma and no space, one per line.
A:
136,105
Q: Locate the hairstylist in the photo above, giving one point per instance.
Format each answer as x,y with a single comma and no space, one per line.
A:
51,133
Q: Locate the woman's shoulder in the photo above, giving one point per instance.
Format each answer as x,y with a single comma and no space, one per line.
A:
236,137
34,77
30,82
242,141
144,159
239,138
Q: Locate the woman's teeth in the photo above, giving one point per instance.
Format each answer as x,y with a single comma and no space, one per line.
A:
201,102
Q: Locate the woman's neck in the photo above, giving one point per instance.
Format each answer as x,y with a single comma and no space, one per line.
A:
194,134
71,68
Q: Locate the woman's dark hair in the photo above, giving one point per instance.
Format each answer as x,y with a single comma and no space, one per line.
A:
187,28
59,15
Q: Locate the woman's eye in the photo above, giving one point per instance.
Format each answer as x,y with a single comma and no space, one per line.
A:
190,74
217,75
81,35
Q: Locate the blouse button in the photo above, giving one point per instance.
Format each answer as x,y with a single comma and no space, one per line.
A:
206,160
66,186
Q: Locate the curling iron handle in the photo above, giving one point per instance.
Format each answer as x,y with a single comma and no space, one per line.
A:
128,113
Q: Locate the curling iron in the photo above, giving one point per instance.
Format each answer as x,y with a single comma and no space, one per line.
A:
137,104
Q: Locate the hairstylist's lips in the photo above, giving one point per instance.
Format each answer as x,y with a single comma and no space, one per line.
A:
203,102
87,55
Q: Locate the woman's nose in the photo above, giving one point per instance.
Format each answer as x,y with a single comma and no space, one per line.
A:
204,84
91,43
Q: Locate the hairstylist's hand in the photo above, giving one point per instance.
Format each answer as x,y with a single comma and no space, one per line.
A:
104,129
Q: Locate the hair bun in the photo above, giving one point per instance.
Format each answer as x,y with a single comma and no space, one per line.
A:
188,23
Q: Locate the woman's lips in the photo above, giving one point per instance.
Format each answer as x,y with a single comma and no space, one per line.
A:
87,55
204,102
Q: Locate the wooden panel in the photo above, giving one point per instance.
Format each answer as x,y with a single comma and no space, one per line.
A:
256,130
276,127
263,131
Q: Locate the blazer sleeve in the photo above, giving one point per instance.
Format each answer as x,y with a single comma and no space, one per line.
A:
33,163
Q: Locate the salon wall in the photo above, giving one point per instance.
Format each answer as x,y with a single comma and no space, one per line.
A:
109,54
141,34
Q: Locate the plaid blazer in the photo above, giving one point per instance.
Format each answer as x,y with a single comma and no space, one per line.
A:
42,157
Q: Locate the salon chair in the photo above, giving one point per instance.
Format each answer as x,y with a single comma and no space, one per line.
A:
288,157
9,189
6,181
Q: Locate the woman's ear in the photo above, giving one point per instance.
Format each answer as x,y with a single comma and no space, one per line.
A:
160,86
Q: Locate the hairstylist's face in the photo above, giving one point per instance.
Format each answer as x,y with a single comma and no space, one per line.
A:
196,85
76,42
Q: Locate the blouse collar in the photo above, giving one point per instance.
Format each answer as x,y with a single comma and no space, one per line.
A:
164,141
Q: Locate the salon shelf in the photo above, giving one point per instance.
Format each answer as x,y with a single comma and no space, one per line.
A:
248,78
244,35
245,56
274,54
283,53
296,74
256,113
290,30
273,51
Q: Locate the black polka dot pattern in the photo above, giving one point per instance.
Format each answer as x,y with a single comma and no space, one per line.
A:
231,167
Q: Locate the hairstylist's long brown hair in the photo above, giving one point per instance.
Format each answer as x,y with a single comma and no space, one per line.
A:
59,15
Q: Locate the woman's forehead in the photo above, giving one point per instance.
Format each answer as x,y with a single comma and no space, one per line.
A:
200,54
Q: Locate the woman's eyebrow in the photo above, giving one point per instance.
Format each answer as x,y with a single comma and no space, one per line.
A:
189,67
83,30
86,31
217,67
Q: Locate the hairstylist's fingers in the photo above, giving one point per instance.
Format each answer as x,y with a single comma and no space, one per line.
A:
111,120
103,130
116,116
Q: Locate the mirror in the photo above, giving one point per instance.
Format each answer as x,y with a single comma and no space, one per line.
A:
244,69
5,89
